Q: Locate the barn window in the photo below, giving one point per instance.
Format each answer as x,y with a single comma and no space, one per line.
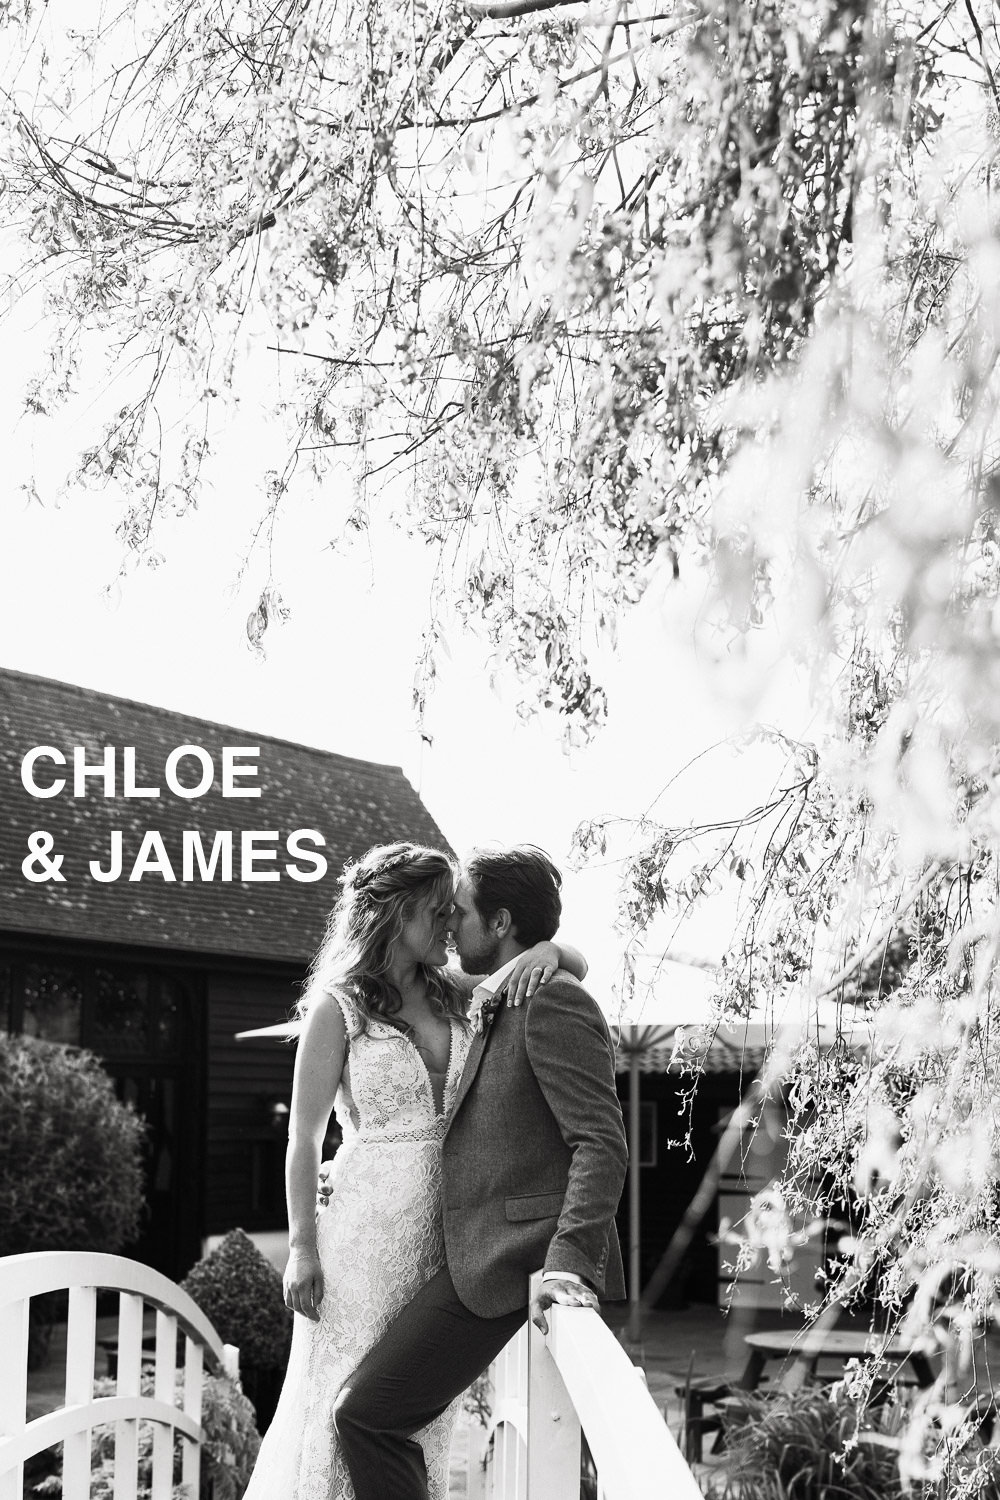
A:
52,1004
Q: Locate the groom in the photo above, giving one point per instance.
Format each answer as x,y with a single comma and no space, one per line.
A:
534,1163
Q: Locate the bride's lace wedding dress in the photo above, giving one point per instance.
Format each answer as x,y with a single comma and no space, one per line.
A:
379,1239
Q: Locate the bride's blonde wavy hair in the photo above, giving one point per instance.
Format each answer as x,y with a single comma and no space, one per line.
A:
378,896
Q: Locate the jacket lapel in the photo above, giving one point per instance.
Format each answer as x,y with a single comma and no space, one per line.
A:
488,990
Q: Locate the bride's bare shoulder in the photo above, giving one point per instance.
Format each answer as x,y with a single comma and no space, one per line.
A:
328,1012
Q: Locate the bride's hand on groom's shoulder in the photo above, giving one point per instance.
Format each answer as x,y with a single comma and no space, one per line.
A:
534,966
303,1283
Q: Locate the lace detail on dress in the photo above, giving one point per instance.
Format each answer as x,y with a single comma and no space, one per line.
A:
380,1238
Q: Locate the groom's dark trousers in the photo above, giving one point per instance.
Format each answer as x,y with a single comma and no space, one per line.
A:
431,1353
533,1164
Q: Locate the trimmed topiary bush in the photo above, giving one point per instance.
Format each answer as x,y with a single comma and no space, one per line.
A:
70,1153
239,1291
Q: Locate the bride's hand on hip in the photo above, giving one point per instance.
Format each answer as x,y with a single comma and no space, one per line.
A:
303,1283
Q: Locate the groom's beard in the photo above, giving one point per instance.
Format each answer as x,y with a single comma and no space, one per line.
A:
480,960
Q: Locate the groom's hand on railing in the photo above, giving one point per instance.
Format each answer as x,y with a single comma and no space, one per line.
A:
565,1293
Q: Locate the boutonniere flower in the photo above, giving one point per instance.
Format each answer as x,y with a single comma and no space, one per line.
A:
483,1012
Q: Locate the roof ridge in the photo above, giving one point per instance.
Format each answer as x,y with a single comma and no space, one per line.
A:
156,708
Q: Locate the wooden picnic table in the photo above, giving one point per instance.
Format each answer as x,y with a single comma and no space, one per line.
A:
802,1348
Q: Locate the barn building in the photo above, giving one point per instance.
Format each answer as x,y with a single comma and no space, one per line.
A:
155,972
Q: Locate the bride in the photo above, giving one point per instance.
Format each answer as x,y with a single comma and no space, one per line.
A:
384,1040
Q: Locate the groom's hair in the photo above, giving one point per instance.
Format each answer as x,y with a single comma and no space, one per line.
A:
524,881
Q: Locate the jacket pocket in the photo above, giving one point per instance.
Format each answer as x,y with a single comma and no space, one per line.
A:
534,1206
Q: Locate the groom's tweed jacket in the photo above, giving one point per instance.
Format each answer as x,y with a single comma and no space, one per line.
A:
535,1154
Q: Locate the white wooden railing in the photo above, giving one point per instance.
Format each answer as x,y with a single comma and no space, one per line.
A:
547,1390
26,1276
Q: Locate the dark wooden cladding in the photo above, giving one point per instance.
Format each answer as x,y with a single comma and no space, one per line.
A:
667,1188
244,1150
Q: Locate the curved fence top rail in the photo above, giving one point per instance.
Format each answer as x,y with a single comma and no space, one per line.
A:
54,1270
634,1450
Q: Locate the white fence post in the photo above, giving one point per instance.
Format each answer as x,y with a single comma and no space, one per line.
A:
507,1475
633,1450
129,1384
479,1451
553,1426
193,1377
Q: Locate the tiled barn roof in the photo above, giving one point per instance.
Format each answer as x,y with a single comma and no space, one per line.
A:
353,803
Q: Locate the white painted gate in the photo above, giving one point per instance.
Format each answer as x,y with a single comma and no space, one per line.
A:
25,1276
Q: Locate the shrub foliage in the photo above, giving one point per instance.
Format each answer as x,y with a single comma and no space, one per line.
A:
239,1291
228,1453
822,1444
70,1153
800,1446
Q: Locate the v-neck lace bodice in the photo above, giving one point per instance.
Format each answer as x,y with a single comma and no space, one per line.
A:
387,1092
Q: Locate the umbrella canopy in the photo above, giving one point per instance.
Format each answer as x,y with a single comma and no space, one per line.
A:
671,1012
284,1031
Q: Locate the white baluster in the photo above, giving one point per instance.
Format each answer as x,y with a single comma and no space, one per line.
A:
193,1369
164,1386
81,1339
503,1462
13,1388
129,1384
479,1438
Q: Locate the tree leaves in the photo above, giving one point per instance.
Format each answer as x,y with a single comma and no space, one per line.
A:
534,254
